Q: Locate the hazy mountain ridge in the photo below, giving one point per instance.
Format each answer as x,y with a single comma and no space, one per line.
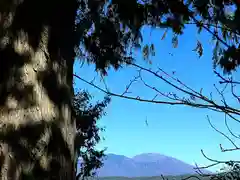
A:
143,165
151,178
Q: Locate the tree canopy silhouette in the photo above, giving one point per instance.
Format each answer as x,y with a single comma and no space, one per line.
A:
39,41
88,132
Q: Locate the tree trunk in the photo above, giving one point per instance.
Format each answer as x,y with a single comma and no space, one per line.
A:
37,131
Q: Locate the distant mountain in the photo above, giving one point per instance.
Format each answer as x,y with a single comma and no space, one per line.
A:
149,157
149,164
181,177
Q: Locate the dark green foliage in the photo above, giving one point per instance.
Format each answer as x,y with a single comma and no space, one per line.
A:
116,28
88,135
107,31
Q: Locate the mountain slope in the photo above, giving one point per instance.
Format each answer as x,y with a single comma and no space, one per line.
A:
150,164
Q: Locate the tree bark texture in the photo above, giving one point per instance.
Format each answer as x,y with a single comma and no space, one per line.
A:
37,131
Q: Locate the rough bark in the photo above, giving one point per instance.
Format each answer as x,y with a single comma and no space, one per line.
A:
37,130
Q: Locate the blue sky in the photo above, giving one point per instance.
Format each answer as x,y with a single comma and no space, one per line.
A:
176,131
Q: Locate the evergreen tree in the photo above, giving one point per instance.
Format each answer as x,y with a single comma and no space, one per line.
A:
88,133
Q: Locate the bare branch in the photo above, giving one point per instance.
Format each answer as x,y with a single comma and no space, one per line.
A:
228,128
224,135
126,97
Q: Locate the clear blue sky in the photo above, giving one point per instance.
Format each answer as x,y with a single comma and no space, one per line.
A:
176,131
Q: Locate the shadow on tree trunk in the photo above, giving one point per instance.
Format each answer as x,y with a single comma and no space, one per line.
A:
37,128
26,146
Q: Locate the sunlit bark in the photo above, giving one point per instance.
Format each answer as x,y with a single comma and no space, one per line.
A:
37,130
